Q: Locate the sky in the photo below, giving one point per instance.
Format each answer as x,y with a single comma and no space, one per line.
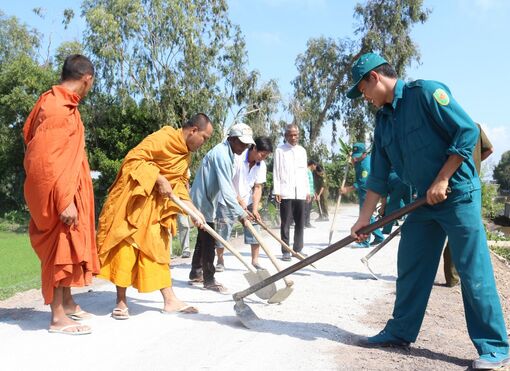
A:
464,44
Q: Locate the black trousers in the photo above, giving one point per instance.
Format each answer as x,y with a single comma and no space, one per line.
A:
308,211
203,256
292,210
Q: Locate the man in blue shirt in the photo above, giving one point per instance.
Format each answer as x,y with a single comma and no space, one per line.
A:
214,174
424,134
361,160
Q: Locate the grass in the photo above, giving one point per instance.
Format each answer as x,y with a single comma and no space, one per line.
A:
19,266
504,252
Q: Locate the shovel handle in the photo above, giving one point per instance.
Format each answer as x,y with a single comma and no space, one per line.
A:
382,244
268,252
331,249
284,245
339,200
212,232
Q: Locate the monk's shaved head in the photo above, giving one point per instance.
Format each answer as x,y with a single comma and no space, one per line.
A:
200,121
75,67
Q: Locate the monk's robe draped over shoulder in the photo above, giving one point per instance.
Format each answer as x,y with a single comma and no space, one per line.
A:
57,173
134,210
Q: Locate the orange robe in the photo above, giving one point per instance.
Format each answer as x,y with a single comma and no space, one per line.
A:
57,173
134,209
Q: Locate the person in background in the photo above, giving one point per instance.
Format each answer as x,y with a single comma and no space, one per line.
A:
308,207
291,187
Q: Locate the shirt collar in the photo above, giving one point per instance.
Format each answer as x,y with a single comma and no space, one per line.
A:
246,158
397,95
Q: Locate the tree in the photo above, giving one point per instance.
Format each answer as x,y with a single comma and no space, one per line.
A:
502,171
22,80
324,69
180,57
158,62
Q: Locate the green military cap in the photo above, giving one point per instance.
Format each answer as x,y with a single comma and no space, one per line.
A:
366,63
358,149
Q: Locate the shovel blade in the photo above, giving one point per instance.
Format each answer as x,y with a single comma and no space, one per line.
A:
281,295
255,277
245,314
365,262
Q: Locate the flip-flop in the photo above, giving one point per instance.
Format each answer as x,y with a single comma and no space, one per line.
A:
62,330
79,315
120,314
218,287
187,309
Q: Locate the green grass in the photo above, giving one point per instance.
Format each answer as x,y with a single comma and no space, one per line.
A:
504,252
19,266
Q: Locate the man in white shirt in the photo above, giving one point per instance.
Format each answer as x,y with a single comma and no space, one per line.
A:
291,188
249,176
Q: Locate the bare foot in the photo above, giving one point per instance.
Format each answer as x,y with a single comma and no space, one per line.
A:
179,306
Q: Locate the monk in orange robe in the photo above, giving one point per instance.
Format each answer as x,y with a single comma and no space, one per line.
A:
138,216
59,195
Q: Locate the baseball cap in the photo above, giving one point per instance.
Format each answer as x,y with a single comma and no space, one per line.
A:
358,149
366,63
243,132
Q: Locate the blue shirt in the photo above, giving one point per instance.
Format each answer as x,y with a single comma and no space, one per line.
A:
416,134
214,175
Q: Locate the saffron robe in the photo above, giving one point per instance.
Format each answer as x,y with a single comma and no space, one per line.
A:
134,210
58,173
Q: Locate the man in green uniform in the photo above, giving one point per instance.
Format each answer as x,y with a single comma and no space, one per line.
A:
424,134
361,160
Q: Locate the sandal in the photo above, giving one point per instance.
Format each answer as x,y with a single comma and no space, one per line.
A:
186,309
216,286
79,315
64,330
121,314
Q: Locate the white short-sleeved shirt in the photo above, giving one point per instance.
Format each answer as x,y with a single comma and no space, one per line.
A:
245,178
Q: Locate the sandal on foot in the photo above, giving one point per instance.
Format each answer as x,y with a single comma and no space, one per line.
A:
121,314
216,286
186,309
79,315
65,330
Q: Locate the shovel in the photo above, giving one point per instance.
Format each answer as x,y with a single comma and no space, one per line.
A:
320,207
339,200
253,277
281,294
365,259
248,317
284,245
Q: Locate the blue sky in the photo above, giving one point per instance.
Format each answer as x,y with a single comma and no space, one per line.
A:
463,44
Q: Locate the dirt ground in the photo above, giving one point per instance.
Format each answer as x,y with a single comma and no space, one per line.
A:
316,328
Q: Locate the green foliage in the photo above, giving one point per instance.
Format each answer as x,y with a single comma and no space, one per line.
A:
490,208
179,57
323,79
16,39
502,171
19,267
22,80
504,252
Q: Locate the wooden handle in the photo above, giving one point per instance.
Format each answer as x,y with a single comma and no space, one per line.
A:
268,252
331,249
212,232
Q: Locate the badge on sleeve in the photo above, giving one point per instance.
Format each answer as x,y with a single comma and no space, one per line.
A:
441,97
364,174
